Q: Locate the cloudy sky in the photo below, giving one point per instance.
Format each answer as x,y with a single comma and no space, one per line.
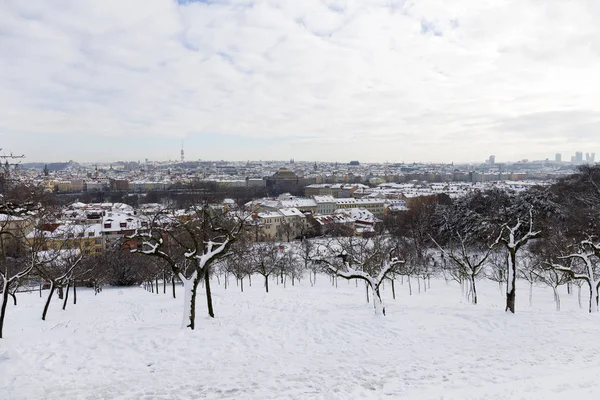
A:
373,80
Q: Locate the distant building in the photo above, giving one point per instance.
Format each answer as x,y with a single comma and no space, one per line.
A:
72,186
284,180
558,157
590,158
119,184
355,163
578,157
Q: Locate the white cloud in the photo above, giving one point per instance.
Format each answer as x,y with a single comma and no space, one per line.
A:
370,80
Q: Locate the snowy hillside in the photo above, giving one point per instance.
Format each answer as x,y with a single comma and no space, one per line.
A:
302,342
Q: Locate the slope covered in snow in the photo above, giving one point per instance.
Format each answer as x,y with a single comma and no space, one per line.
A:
301,342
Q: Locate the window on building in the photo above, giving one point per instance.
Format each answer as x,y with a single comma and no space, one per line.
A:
108,225
90,234
97,241
123,224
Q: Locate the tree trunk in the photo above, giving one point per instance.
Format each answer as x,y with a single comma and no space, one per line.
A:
469,290
409,286
41,286
14,297
530,294
474,297
156,279
242,284
267,283
173,286
556,298
189,302
250,280
315,277
66,295
48,301
310,279
511,281
579,296
379,306
60,291
74,291
164,282
367,289
209,303
393,290
419,283
591,296
3,308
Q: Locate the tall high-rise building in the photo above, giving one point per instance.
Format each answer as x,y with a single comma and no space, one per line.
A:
578,157
558,157
182,154
593,158
492,161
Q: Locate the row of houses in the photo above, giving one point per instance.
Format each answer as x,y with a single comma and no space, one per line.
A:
81,185
93,227
288,216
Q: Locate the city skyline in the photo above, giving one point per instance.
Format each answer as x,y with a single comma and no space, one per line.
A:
393,81
577,158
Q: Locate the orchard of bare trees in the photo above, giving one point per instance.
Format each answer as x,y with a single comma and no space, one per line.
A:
546,236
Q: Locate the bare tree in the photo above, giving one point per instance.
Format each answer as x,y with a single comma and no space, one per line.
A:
306,251
202,235
468,255
553,278
238,262
529,268
56,267
369,260
514,238
584,265
17,260
266,259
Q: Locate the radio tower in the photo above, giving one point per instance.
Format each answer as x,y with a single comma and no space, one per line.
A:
182,157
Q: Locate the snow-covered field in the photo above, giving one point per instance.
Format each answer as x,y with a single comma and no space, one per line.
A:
302,342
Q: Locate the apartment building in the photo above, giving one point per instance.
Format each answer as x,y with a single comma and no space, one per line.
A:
282,224
375,206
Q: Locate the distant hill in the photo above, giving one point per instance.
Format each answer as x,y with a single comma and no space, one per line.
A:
51,166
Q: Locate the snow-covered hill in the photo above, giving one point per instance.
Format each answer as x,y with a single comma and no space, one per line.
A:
302,342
